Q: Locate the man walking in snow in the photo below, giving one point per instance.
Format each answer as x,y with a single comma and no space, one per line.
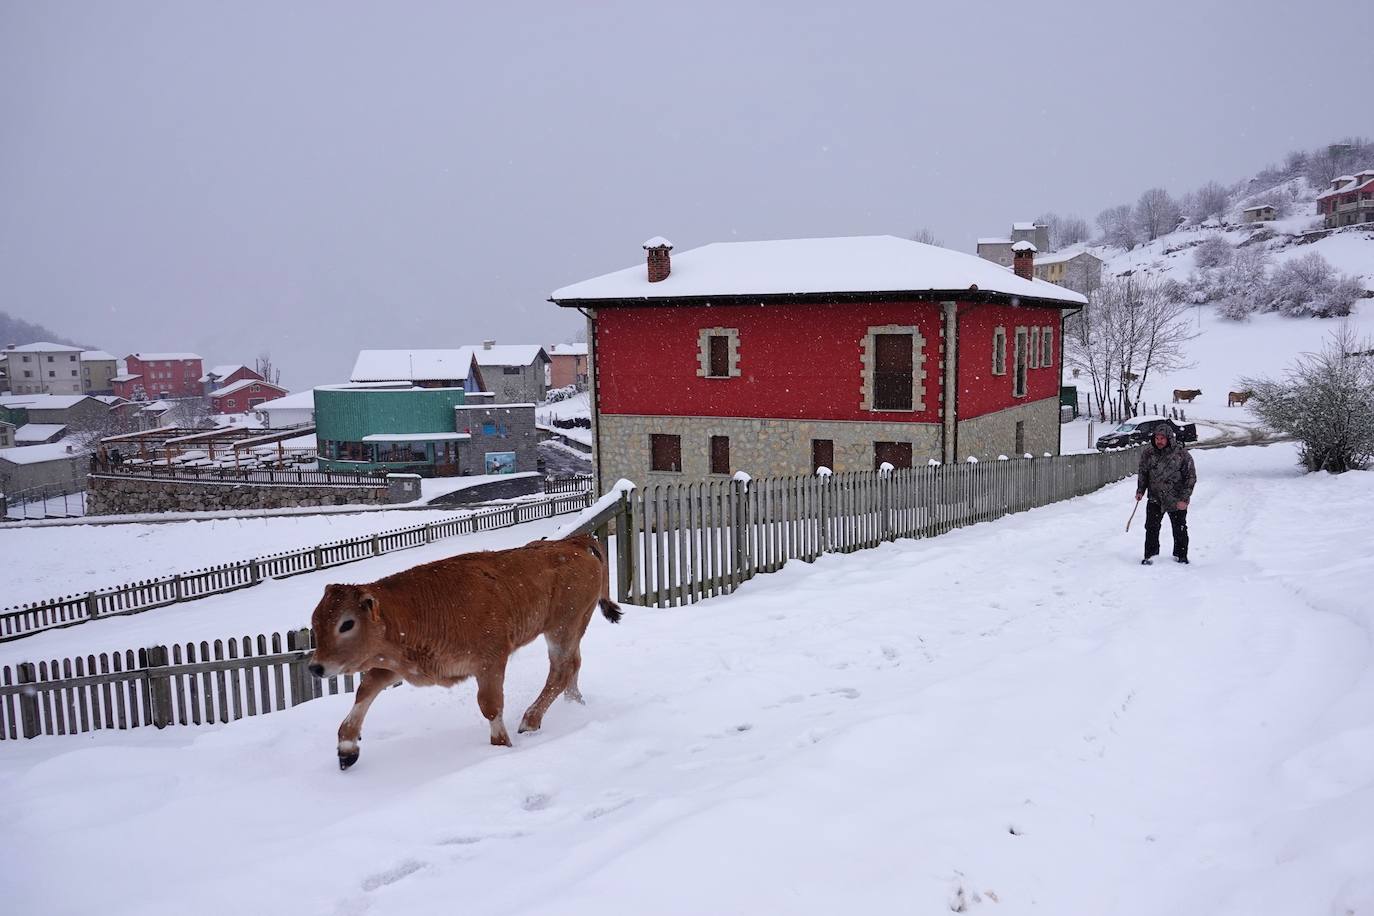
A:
1167,474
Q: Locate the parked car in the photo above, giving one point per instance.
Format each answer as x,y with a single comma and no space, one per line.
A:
1138,430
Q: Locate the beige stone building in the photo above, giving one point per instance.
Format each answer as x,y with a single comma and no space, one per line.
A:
43,368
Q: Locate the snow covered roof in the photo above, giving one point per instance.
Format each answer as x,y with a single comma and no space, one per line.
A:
91,356
301,400
44,401
39,432
223,371
1260,207
994,241
242,384
1062,256
126,377
861,264
1024,246
1024,227
1353,183
43,346
165,357
658,241
572,349
156,406
410,365
36,454
415,437
111,400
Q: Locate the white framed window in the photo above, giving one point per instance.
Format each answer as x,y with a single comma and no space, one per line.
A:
999,351
718,353
1020,361
1047,346
893,358
1035,348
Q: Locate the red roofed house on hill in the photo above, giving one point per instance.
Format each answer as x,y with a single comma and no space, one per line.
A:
244,395
777,357
1348,201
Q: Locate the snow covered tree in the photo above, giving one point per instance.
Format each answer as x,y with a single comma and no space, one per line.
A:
926,237
1208,201
265,368
1118,227
1214,251
1326,402
1239,285
1064,230
1156,214
1309,286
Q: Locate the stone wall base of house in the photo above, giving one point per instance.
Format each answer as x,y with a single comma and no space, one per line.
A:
762,447
994,434
114,495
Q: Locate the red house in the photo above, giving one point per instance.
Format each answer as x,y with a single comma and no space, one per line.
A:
151,376
244,395
778,357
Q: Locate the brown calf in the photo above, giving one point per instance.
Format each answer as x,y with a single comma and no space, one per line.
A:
1186,394
442,622
1238,397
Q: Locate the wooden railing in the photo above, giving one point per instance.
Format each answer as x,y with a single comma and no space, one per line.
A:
245,475
579,483
136,597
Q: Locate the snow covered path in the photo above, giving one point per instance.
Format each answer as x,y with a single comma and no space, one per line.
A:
1012,718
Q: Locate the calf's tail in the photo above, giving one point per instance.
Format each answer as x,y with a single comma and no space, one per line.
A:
610,610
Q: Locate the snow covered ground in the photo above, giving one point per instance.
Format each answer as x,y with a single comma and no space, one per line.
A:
1012,718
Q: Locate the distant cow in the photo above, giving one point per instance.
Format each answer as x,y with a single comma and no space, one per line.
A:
1238,397
1186,394
1129,377
460,617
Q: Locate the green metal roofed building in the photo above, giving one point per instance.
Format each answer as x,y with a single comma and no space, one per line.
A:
389,430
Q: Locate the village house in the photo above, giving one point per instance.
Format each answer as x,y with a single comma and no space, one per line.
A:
78,411
59,467
243,395
998,250
1348,201
779,357
513,373
98,368
223,376
43,368
287,411
567,365
1261,214
151,376
1080,271
6,434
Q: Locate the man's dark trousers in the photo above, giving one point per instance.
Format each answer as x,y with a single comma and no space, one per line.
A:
1178,520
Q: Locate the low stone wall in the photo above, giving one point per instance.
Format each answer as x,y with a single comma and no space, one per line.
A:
118,495
994,434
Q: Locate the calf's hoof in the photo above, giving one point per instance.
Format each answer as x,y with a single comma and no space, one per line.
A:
527,726
348,754
501,741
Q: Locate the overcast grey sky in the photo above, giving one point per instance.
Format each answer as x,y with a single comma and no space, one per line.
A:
317,177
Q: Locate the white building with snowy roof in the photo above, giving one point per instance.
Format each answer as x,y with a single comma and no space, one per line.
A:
513,373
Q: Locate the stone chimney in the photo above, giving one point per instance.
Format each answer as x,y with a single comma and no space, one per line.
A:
488,344
1023,260
660,262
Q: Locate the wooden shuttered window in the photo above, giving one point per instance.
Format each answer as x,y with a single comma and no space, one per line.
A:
1019,364
893,365
822,454
720,454
665,452
897,454
719,356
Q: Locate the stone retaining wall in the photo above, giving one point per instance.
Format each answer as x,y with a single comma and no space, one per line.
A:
114,495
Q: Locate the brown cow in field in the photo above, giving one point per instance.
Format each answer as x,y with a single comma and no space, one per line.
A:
1186,394
460,617
1238,397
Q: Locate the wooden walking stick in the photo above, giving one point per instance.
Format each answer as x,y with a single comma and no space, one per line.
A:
1132,518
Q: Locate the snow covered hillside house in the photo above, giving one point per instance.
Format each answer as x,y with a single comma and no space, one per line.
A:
151,376
1348,201
286,412
777,357
513,373
1264,213
243,395
998,250
224,376
567,365
7,434
43,368
97,369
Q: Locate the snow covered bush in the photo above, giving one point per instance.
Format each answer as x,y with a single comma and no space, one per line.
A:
1236,307
1309,286
1213,251
560,394
1239,286
1326,402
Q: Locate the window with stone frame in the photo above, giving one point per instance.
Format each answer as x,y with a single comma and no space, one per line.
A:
897,454
822,454
1046,347
665,452
999,351
1020,361
720,454
718,353
1035,348
893,360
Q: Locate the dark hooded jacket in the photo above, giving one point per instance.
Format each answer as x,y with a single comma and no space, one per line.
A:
1167,474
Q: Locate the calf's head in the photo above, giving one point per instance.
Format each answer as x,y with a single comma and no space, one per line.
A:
348,625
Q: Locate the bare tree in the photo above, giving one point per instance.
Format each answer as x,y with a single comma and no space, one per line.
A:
1118,227
189,413
1156,213
927,237
1064,230
265,368
1208,201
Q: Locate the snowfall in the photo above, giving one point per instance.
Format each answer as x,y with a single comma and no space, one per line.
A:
1012,718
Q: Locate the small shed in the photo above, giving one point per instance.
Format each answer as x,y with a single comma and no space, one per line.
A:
1261,214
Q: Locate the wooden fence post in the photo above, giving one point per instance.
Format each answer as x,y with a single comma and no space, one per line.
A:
254,571
299,678
90,606
159,687
739,523
176,587
376,545
28,700
885,503
319,556
626,552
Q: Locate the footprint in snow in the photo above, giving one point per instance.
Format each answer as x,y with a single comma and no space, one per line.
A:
392,875
849,693
536,801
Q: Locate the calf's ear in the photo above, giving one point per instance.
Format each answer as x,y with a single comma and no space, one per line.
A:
368,602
